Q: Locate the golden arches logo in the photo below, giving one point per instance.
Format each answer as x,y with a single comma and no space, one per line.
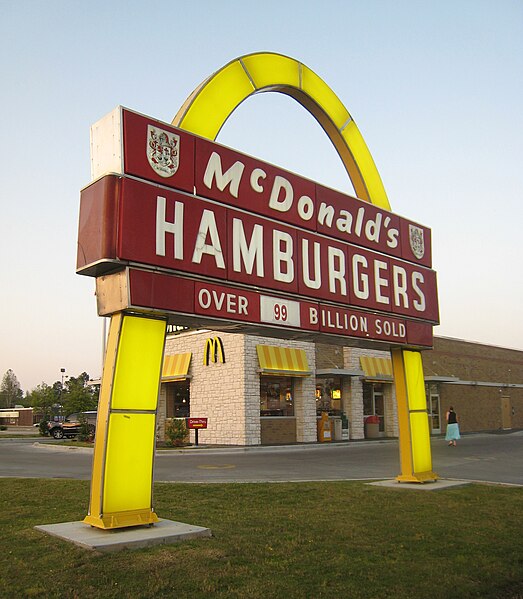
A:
213,350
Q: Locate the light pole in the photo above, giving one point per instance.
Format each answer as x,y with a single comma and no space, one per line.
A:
62,370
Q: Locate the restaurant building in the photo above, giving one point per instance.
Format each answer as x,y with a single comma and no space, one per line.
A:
17,416
260,391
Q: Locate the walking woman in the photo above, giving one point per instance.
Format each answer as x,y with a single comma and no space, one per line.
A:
452,427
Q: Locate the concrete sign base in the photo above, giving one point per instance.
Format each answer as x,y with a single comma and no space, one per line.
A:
428,486
89,537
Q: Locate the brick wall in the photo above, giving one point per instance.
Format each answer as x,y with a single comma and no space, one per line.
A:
329,356
473,361
489,371
278,430
24,418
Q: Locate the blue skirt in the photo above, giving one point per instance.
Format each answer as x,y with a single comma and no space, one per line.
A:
452,432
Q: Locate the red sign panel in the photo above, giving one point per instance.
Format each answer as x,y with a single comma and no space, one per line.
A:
186,205
220,306
196,422
157,152
164,228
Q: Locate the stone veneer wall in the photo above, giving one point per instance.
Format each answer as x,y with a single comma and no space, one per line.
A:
353,406
329,356
391,410
229,394
218,391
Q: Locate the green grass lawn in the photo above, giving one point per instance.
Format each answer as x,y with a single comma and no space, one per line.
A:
303,540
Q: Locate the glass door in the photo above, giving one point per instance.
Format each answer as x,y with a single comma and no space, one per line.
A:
374,403
433,409
379,405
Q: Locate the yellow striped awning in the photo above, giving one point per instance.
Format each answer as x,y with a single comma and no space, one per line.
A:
176,367
282,360
378,369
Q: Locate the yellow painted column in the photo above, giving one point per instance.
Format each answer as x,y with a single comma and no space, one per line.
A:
414,432
122,477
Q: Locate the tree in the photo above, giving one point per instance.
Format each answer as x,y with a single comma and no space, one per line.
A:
45,398
75,395
78,396
10,390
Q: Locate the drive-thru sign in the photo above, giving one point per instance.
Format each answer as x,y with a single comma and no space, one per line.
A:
179,229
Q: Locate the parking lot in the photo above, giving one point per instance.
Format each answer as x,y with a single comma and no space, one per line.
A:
479,457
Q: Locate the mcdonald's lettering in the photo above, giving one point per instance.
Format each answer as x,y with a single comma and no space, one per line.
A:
213,350
208,170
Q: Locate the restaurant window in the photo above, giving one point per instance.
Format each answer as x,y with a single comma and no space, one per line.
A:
178,399
276,396
328,395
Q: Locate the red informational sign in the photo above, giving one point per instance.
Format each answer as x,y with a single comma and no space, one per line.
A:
252,242
219,306
196,422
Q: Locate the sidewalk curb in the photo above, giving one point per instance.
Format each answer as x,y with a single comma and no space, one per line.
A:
226,449
229,449
52,447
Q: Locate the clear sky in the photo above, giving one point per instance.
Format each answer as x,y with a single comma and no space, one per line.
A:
436,88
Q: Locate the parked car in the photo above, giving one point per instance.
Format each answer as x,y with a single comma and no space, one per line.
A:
70,427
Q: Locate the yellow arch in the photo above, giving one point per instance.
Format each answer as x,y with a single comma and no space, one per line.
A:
205,112
213,101
121,492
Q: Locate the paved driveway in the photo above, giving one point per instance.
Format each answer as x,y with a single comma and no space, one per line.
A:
479,457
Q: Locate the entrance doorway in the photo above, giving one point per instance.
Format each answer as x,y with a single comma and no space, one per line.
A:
374,403
328,395
506,412
433,409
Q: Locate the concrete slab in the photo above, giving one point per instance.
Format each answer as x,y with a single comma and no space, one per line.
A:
428,486
89,537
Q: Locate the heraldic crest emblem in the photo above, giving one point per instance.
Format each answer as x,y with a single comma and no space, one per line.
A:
163,151
417,241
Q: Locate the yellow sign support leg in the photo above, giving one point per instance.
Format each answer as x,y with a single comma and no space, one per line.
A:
122,477
414,434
